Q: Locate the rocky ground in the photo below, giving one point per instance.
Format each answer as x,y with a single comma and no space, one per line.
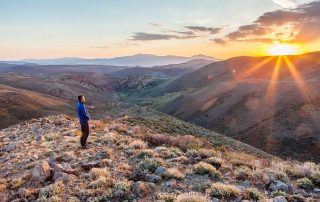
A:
40,160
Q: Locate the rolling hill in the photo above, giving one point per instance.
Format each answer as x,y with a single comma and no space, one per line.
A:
18,105
269,102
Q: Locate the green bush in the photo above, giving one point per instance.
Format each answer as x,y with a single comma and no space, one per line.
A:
316,178
203,168
277,193
225,191
252,194
151,164
305,183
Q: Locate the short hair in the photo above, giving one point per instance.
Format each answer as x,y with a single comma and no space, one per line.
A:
80,97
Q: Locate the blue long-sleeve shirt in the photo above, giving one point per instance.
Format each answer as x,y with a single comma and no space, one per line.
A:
82,113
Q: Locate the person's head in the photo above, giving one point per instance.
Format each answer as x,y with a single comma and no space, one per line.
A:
81,98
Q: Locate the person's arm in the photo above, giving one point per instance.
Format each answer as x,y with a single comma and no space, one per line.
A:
86,114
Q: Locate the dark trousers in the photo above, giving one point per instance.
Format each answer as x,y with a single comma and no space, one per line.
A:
85,133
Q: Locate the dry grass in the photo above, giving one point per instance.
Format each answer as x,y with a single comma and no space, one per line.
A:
225,191
173,173
192,197
203,168
96,173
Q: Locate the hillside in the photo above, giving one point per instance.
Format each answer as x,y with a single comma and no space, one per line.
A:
18,105
245,99
41,161
99,89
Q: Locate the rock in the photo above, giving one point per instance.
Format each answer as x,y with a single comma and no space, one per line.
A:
170,183
24,193
57,175
316,190
277,185
214,200
66,178
68,156
12,146
279,199
90,165
141,189
41,171
160,171
153,178
39,138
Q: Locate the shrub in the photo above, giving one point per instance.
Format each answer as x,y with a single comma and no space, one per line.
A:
173,173
137,144
277,193
51,191
200,187
151,164
305,183
305,169
316,178
216,162
242,173
220,190
122,185
101,182
203,168
167,197
96,173
146,153
182,142
192,197
252,194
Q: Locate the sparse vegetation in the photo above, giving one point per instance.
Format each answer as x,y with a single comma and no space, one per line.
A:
192,197
203,168
225,191
124,166
252,194
305,183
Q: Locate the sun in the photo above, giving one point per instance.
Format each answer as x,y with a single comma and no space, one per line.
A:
283,49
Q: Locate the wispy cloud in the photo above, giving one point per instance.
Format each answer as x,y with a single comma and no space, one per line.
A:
212,30
143,36
189,33
285,3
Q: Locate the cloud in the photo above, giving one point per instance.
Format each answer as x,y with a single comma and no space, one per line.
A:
191,32
219,41
143,36
154,24
212,30
285,3
299,25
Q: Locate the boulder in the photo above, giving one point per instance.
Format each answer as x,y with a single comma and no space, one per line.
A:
160,171
277,185
41,171
279,199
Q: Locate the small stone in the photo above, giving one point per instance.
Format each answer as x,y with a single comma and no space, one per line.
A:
214,200
160,171
279,199
153,178
39,138
277,185
12,146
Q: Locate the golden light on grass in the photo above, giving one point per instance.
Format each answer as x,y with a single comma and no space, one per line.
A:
283,49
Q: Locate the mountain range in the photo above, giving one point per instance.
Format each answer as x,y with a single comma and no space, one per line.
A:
143,60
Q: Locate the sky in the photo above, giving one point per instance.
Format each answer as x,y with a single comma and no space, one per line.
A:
110,28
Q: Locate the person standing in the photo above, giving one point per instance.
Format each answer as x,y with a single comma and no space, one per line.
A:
84,120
